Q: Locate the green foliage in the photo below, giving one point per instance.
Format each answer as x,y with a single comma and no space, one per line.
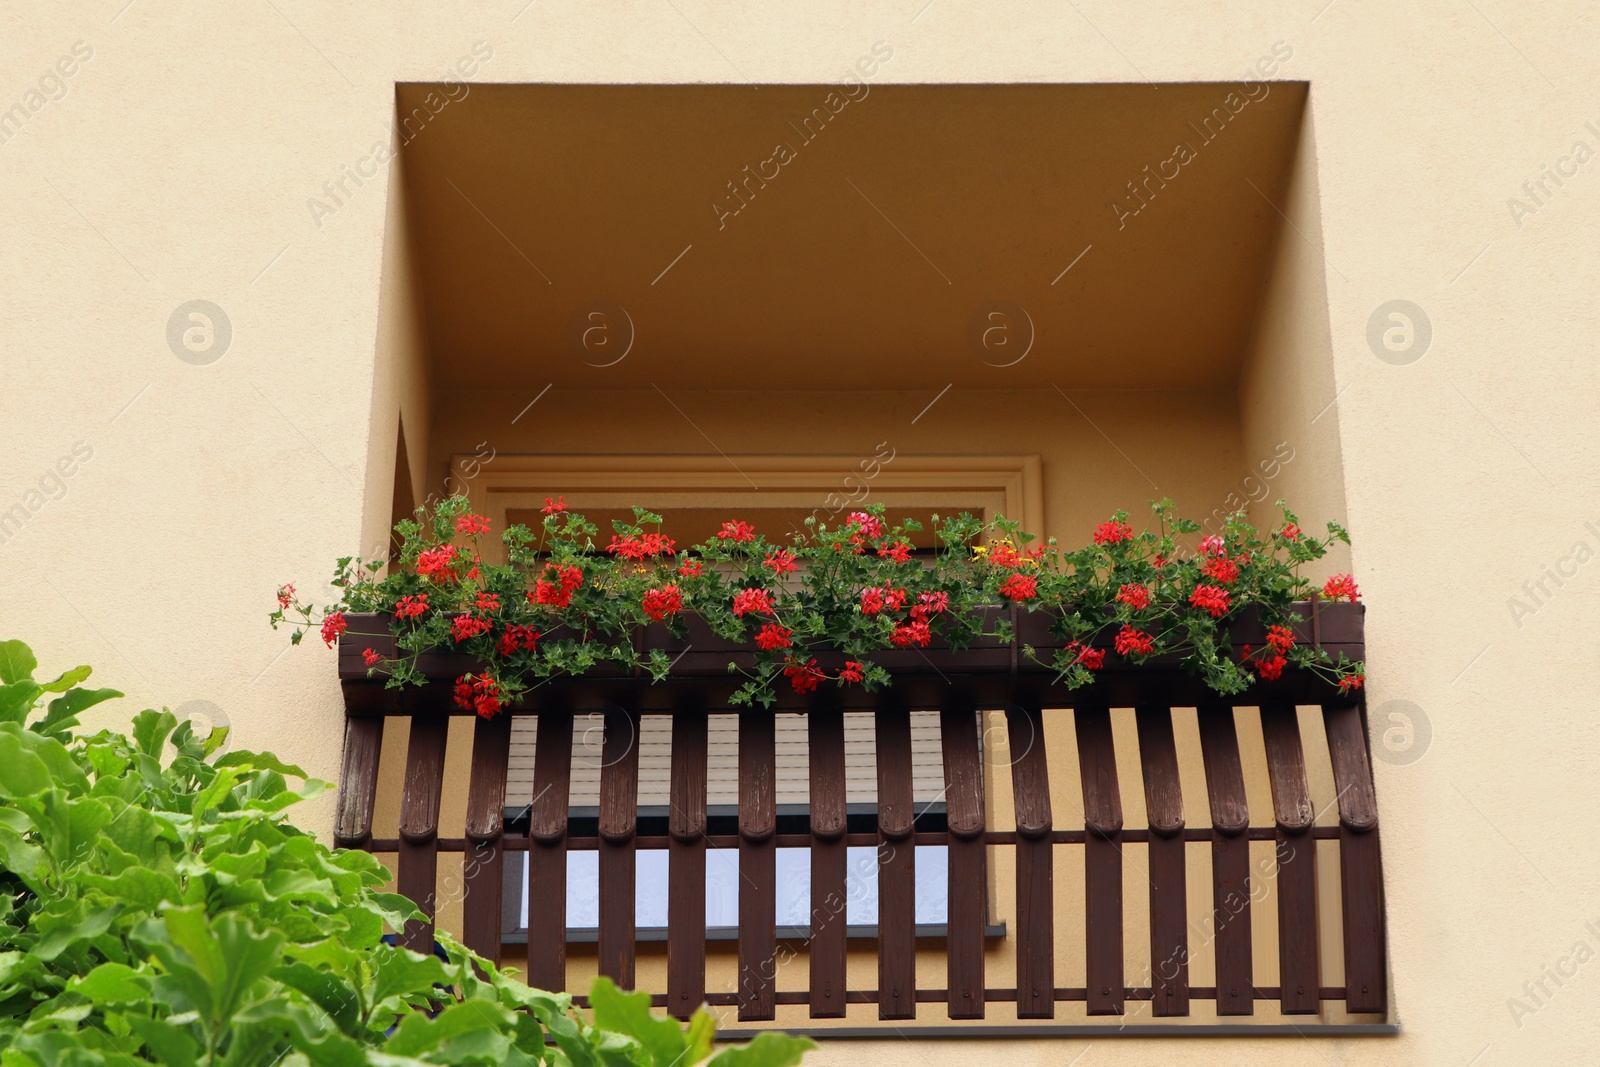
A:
156,907
564,604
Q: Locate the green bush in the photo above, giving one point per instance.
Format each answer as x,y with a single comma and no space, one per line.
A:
156,906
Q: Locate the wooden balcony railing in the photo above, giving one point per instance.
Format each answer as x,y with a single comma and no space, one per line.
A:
958,685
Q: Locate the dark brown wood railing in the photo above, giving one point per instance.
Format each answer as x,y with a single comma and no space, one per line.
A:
958,685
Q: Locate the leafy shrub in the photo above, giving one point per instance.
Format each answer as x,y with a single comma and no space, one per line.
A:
156,906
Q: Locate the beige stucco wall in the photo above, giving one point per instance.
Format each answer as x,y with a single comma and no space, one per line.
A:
175,163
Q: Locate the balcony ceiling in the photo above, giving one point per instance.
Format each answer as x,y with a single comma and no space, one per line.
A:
865,262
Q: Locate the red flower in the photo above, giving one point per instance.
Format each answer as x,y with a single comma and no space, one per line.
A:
478,693
1221,569
936,602
409,607
900,552
553,507
464,626
1160,561
1019,587
895,599
1281,638
435,562
558,585
1092,658
752,601
1341,586
472,524
871,525
1005,554
690,568
1212,598
372,658
1212,545
1110,533
871,601
805,677
642,547
1135,596
488,602
781,561
911,633
1351,681
285,595
1292,532
737,531
515,639
333,625
1131,642
660,603
1271,669
772,637
852,672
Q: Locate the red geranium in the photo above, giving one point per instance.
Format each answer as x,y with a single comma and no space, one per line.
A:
478,693
737,531
488,602
852,672
463,627
372,658
1292,532
1019,587
871,525
554,507
1281,638
690,568
557,586
1113,532
435,562
333,625
472,524
1132,642
752,601
900,552
285,594
1341,586
1212,545
1220,569
871,601
662,602
773,636
1271,669
409,607
1351,682
1212,598
915,632
780,561
515,639
1135,596
804,677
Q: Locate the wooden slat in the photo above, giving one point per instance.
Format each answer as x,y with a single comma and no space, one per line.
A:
619,811
1169,916
1030,788
1230,859
1360,865
419,825
1298,967
966,902
483,865
1102,816
829,863
358,782
897,886
547,852
758,877
686,871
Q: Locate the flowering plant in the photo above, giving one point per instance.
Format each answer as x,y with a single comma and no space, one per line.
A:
563,603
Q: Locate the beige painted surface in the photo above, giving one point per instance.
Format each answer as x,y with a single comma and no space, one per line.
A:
176,161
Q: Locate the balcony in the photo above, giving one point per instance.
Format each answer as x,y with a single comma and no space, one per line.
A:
994,705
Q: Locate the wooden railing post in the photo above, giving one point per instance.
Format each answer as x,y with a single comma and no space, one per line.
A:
419,825
1036,931
483,866
547,851
758,874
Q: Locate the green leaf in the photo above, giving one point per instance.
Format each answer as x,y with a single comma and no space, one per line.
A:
770,1049
112,983
22,772
65,708
67,680
260,761
171,1043
401,972
58,762
629,1014
16,700
150,730
16,662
